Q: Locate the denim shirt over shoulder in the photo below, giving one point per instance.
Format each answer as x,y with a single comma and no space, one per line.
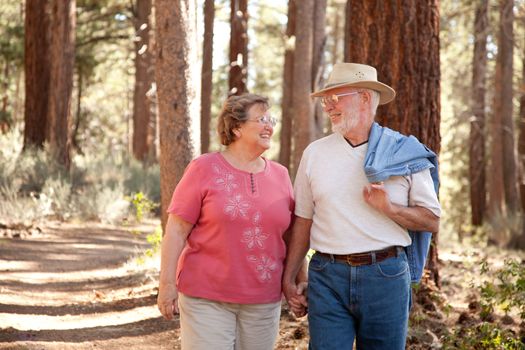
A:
393,154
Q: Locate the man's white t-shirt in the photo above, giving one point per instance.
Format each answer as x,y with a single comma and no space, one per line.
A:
329,190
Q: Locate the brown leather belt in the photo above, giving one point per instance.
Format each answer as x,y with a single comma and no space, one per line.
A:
360,259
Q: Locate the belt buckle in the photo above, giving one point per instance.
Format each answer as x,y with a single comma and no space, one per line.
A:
349,260
360,259
354,261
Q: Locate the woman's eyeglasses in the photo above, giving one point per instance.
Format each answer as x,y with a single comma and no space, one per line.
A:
264,120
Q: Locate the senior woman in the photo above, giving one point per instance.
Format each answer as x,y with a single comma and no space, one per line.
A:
223,251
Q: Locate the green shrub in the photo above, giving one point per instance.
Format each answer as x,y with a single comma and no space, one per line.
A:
508,292
143,179
99,202
484,336
155,240
17,209
141,204
34,186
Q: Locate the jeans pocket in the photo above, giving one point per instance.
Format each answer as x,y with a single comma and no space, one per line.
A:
318,263
393,267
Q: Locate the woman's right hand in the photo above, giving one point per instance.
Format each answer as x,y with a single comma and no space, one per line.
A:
167,300
296,296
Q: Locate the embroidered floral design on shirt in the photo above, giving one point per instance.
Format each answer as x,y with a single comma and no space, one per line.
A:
264,266
254,237
236,206
225,180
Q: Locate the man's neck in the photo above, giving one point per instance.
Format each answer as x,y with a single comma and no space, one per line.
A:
358,135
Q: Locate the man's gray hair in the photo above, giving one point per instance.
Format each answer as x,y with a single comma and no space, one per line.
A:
374,102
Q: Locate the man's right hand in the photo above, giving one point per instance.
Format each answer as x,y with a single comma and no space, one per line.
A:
167,300
296,296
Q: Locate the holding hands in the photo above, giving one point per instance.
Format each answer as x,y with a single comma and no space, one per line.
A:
296,296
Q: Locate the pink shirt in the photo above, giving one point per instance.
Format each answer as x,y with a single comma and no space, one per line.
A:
235,251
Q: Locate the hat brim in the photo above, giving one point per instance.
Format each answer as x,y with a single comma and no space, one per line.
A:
386,93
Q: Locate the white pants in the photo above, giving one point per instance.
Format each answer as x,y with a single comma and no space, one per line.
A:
207,324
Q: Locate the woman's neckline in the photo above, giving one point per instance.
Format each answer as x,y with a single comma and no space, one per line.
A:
231,166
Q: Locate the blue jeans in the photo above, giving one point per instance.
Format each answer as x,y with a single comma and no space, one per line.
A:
367,303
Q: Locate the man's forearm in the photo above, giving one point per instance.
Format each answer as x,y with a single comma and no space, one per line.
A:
295,268
414,218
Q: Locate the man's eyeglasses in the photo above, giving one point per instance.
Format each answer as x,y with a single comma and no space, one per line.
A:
334,98
265,120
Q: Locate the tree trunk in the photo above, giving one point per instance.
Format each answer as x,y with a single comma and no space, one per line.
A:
336,33
319,45
518,241
36,67
521,140
477,164
62,61
407,34
286,104
503,203
175,26
302,108
18,100
5,120
207,74
141,106
153,136
238,47
503,106
74,135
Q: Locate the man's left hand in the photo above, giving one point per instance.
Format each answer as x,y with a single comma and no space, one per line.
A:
376,196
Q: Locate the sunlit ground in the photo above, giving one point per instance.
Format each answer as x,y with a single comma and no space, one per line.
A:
47,295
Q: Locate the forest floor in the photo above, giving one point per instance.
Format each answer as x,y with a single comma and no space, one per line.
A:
82,286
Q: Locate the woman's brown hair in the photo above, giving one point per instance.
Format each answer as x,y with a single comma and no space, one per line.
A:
234,112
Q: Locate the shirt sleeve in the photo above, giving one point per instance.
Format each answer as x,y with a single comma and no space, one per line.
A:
304,204
422,193
186,201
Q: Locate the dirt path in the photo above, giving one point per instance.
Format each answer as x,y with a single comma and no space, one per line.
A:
79,287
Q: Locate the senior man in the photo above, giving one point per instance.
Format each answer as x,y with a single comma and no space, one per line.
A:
366,202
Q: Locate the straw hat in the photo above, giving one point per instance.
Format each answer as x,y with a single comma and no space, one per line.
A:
357,76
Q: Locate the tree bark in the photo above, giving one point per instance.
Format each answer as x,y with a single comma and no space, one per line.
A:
238,47
74,134
401,40
5,119
175,26
62,59
477,164
153,136
207,74
36,67
518,241
302,107
503,106
141,105
521,140
286,104
318,62
503,204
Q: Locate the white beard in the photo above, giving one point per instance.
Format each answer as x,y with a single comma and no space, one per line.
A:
348,122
